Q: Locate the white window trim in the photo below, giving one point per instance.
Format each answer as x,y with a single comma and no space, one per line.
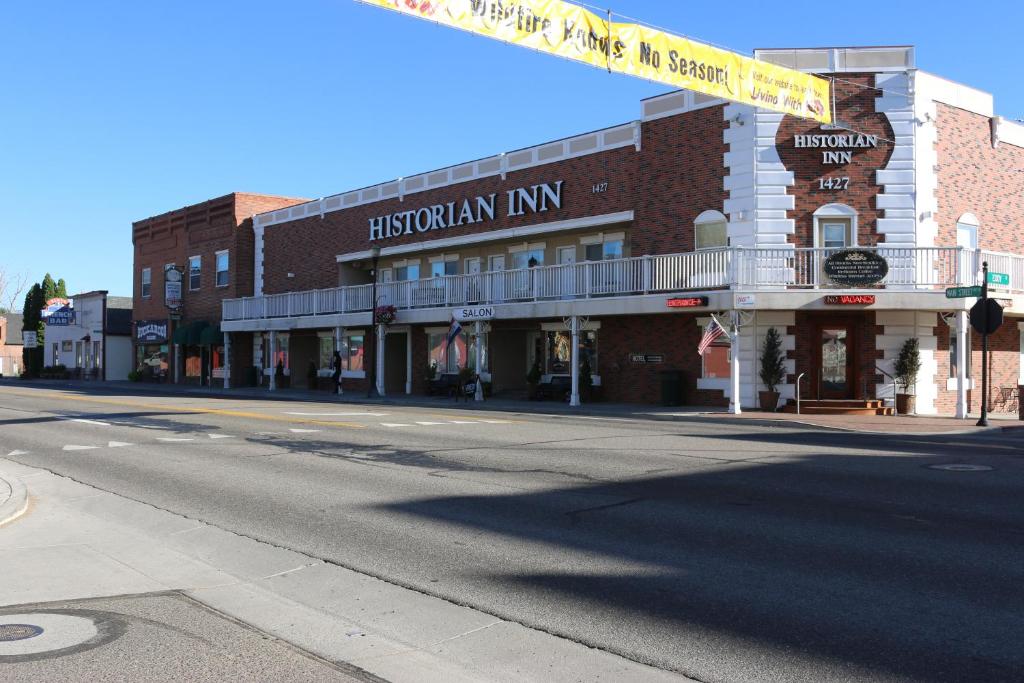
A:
710,217
226,252
188,274
405,263
439,258
835,212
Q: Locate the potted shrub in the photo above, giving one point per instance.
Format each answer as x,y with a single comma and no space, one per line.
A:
533,379
908,364
773,370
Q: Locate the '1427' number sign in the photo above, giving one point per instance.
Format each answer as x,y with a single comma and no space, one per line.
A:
834,183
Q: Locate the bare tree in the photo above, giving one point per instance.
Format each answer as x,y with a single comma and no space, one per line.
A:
12,287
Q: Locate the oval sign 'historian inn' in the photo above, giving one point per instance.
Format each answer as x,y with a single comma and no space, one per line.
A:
619,244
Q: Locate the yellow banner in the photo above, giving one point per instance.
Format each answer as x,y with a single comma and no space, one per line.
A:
570,31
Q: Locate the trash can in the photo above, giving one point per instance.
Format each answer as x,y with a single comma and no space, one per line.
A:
671,387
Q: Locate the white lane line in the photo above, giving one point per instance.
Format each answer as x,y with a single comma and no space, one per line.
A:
88,422
172,438
497,422
429,423
338,414
221,436
394,424
72,447
118,444
303,431
13,453
464,422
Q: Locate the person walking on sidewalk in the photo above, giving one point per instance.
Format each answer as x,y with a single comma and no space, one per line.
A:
336,375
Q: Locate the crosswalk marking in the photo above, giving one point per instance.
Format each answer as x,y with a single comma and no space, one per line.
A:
13,453
118,444
172,438
72,447
220,436
497,422
90,422
429,423
303,431
394,424
349,414
465,422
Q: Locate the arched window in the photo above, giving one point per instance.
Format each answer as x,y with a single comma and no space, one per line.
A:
710,230
967,231
835,226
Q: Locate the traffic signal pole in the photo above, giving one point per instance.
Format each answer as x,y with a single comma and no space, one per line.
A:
983,422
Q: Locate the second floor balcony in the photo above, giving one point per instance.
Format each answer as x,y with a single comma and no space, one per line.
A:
910,269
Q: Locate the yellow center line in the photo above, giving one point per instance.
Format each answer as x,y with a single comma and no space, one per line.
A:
49,393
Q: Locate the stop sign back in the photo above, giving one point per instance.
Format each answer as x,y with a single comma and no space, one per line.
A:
986,324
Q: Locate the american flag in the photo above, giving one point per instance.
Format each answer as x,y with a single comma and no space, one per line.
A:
711,333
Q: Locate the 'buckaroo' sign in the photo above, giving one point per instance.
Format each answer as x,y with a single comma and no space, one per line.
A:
151,330
574,32
520,201
856,267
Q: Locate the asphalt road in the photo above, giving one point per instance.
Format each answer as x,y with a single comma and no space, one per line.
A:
725,552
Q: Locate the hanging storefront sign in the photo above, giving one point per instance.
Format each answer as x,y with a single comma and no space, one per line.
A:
53,305
687,302
151,331
62,317
473,313
856,267
567,30
647,358
172,287
849,299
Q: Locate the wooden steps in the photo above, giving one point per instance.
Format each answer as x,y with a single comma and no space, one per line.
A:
839,407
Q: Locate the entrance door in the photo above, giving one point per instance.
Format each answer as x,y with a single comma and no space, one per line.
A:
834,355
496,269
474,288
567,276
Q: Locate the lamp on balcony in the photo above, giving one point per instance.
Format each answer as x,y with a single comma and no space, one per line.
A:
371,390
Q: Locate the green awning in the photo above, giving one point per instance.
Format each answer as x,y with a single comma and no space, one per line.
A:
195,332
180,335
211,336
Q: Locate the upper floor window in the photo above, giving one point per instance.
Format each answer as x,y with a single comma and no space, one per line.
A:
221,263
967,231
195,265
444,265
407,271
147,282
603,246
527,256
710,230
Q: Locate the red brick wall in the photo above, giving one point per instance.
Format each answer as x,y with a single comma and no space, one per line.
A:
975,178
1004,366
855,105
681,175
308,247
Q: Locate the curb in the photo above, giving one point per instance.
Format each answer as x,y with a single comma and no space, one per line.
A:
17,504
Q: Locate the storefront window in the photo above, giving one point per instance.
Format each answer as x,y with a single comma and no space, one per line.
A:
217,362
953,368
79,355
282,351
193,361
326,352
558,351
151,360
352,348
717,361
97,355
448,359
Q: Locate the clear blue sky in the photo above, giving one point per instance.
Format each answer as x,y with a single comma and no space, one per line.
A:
115,111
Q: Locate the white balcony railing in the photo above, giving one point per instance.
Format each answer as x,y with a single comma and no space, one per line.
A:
910,268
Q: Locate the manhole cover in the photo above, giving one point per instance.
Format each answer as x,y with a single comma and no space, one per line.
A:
961,467
9,632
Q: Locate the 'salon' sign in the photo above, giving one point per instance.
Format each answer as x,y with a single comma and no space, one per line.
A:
472,313
518,202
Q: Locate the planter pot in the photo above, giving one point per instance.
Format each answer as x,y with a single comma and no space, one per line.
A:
905,404
768,400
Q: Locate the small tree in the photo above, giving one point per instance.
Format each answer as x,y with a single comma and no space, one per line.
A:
908,364
773,365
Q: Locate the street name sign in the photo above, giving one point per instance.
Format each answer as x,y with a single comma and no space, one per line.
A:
963,292
1000,279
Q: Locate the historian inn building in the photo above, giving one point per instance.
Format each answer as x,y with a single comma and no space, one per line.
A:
612,250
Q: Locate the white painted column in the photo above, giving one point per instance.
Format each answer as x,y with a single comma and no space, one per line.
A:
963,356
477,349
273,364
379,360
574,395
339,335
408,362
227,360
734,364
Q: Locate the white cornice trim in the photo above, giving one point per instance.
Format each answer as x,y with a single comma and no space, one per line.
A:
494,236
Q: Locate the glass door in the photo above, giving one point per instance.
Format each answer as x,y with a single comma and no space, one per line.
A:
496,268
834,355
833,235
567,275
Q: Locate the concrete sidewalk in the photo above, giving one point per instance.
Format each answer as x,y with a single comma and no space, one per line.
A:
871,424
80,543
